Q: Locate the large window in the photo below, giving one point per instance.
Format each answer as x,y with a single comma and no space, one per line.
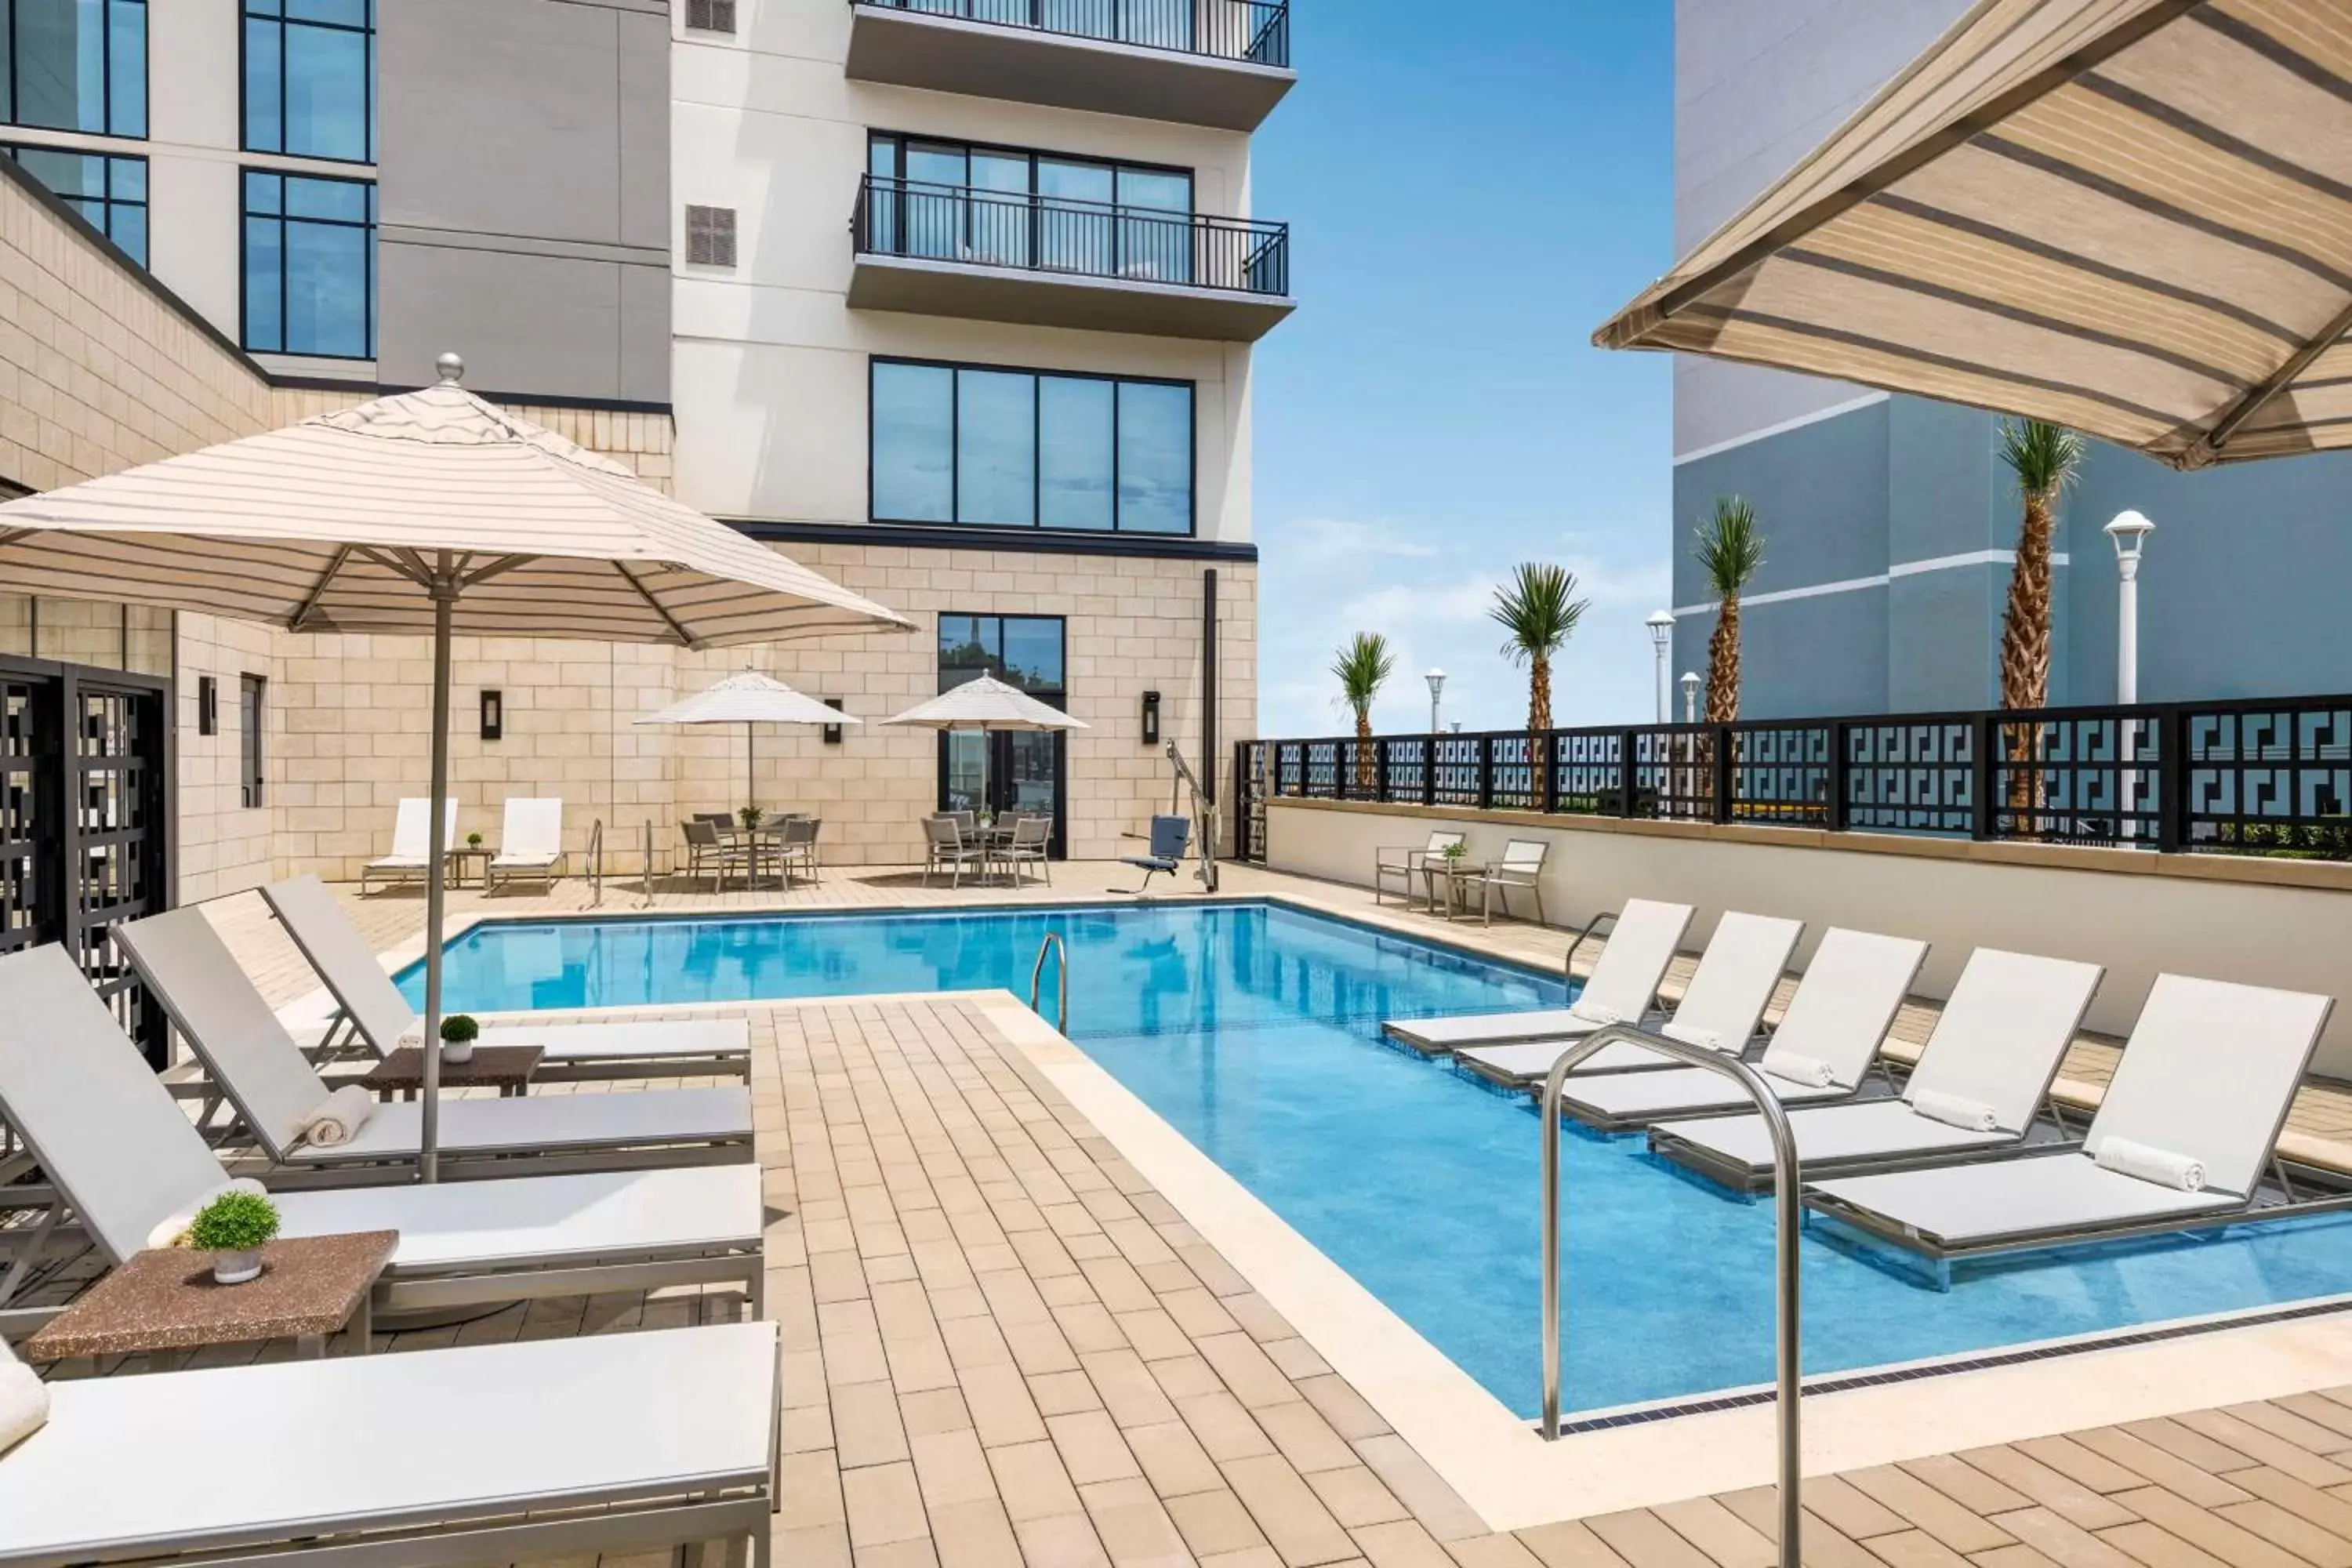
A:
951,201
1005,771
309,77
75,65
252,715
310,266
110,192
1030,449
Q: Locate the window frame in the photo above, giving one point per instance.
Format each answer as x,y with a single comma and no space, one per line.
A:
14,117
244,217
1037,467
899,164
252,741
107,203
244,14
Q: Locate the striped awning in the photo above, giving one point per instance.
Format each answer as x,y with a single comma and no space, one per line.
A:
340,524
2133,218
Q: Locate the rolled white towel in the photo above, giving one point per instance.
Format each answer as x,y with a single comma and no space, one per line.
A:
339,1117
2126,1157
1692,1034
1795,1066
1956,1111
1598,1015
24,1400
171,1231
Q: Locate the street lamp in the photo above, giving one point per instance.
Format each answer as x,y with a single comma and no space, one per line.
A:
1436,679
2129,530
1662,640
1690,697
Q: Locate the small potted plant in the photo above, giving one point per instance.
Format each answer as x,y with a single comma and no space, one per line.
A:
1457,850
458,1033
232,1228
751,815
473,841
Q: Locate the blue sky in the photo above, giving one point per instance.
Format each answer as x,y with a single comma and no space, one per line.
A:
1472,189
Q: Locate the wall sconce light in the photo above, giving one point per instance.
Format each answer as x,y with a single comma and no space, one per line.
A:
833,731
1151,718
208,705
494,714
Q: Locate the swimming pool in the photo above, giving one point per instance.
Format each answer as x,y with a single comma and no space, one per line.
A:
1254,1029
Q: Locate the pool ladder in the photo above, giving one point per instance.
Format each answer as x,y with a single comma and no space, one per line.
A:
1788,1217
1053,944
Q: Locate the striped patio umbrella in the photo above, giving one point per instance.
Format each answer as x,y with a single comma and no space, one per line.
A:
984,702
2133,218
748,698
429,512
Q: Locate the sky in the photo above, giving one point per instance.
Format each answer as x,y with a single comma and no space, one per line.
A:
1472,189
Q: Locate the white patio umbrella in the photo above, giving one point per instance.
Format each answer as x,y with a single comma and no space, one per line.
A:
430,511
985,702
747,698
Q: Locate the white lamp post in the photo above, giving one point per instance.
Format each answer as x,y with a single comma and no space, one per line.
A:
1690,697
1436,679
1662,640
2129,530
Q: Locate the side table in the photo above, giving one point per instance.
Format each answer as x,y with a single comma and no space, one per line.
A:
506,1069
165,1300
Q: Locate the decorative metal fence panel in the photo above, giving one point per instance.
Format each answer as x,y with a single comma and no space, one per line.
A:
2260,777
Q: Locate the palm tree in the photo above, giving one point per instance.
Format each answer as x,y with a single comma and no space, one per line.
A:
1362,668
1728,552
2044,457
1540,609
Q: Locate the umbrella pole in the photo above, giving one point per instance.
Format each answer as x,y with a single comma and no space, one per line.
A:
436,850
751,772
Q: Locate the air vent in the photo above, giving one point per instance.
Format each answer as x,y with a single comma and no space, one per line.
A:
711,15
711,237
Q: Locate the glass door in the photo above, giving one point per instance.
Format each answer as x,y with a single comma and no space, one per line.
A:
1006,772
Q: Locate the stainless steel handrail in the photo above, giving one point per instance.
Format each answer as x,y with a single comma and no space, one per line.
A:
649,860
1787,1214
1053,943
596,864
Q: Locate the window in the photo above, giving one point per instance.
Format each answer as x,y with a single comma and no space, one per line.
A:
309,79
1016,449
310,266
251,707
953,201
711,237
1019,650
1004,771
75,65
110,192
711,15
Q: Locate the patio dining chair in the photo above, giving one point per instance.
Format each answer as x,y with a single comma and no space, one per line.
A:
706,853
951,850
1031,837
1521,867
1407,862
796,846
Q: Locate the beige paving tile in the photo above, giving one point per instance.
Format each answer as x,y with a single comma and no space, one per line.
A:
1133,1527
1215,1522
1093,1450
884,1504
1356,1496
1032,1481
1296,1524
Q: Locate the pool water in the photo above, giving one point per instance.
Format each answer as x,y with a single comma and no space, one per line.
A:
1255,1030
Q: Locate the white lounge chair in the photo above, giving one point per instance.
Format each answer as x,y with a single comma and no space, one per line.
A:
1822,1052
616,1444
530,843
117,1149
255,1062
411,843
1721,1010
382,1017
1982,1079
1622,986
2205,1081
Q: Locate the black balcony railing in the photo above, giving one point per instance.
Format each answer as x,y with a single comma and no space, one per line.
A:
1055,234
1258,31
2257,777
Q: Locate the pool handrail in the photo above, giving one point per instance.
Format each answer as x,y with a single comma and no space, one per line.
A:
1788,1227
1053,943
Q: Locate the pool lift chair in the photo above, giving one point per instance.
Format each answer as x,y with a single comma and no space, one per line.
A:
1172,834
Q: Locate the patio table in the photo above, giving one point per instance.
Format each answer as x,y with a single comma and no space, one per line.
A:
506,1069
165,1300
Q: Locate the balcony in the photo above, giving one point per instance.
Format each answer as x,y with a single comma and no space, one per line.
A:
1049,261
1220,63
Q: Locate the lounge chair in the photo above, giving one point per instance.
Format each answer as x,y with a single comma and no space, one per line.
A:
1721,1009
124,1159
1822,1052
411,856
617,1443
530,844
1622,989
1406,862
2205,1081
1521,866
1977,1087
1170,836
247,1053
381,1016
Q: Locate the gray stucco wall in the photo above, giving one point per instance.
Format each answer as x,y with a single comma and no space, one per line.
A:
524,197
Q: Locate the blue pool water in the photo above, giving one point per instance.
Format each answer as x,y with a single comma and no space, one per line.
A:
1255,1030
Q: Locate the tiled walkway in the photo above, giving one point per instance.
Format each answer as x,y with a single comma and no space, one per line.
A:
1005,1348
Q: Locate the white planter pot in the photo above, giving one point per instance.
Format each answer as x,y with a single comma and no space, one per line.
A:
456,1055
235,1267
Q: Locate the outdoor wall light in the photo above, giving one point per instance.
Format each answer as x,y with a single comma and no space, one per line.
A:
208,705
494,714
1151,718
831,732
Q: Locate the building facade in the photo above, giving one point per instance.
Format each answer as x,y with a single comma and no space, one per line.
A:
1892,523
952,300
